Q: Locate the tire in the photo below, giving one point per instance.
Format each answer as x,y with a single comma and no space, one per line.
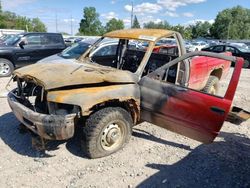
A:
6,67
246,64
102,126
212,85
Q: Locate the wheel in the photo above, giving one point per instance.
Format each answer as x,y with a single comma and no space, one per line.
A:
6,67
246,64
106,131
196,49
212,85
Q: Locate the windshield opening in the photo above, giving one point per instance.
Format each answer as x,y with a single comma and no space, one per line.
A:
121,54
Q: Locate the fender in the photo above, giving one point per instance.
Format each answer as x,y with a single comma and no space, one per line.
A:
7,53
87,98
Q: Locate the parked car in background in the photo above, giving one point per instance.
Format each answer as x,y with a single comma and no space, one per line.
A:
106,48
197,46
239,44
28,48
71,40
5,37
235,50
166,49
212,43
248,44
166,41
188,45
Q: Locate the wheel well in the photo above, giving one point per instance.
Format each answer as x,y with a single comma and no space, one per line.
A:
8,58
130,106
217,73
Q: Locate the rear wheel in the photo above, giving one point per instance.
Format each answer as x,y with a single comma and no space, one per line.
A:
212,85
6,67
107,131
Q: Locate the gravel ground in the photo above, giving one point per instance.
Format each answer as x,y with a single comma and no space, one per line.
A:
154,157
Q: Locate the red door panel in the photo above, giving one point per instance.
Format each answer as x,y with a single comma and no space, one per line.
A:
191,113
198,72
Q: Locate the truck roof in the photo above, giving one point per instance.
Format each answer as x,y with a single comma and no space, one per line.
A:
25,33
140,34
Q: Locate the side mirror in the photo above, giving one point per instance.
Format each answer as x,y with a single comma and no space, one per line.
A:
22,43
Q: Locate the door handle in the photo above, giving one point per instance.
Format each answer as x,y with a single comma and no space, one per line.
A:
181,89
217,110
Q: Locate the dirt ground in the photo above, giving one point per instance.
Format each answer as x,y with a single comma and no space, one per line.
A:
154,157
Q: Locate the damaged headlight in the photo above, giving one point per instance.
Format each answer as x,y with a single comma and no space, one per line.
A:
62,109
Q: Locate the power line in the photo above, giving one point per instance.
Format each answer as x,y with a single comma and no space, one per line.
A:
56,24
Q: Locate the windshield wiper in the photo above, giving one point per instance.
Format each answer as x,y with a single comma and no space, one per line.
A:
76,69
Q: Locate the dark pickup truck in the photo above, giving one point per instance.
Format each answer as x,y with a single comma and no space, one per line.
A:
28,48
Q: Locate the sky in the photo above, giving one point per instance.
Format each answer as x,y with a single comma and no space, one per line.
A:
67,12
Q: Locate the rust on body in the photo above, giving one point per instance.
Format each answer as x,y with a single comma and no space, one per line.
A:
87,98
54,75
140,34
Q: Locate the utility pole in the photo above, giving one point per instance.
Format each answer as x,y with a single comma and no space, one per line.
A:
71,25
132,13
228,28
27,28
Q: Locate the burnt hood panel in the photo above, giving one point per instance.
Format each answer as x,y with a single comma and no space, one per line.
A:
61,74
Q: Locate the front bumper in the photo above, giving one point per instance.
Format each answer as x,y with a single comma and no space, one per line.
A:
51,127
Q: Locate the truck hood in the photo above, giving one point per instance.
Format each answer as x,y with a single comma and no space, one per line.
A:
72,72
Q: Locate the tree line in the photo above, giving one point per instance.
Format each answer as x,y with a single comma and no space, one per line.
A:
9,20
231,23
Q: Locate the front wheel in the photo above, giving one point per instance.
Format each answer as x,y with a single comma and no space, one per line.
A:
106,131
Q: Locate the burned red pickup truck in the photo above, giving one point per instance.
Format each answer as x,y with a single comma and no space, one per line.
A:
107,96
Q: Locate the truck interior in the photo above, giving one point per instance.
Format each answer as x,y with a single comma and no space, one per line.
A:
129,55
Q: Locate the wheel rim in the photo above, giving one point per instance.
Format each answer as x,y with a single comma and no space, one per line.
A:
112,136
246,64
4,68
